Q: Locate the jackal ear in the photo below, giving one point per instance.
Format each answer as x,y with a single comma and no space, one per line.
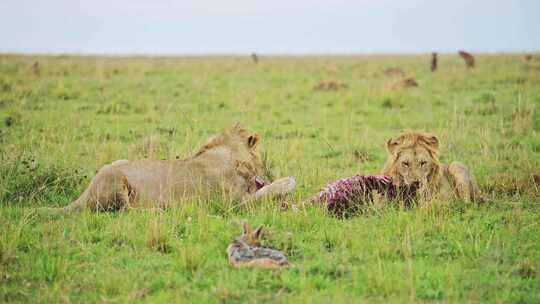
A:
258,232
247,228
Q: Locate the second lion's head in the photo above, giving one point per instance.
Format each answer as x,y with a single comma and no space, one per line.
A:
238,143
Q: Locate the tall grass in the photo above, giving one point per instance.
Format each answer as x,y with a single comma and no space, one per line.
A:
59,127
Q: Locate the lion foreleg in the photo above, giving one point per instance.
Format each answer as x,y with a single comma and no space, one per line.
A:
463,182
279,187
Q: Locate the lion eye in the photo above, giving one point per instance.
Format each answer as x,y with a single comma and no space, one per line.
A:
405,164
423,163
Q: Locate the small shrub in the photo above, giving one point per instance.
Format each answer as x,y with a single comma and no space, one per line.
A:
153,146
387,103
486,97
51,268
167,131
12,119
25,180
192,259
527,269
267,167
536,120
121,107
331,154
363,155
157,238
489,109
5,86
509,186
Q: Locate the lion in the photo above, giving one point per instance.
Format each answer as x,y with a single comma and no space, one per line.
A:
413,161
229,163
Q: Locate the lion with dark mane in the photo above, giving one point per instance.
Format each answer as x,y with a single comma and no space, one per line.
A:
229,163
413,161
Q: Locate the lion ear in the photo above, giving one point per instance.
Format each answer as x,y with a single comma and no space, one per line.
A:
391,146
432,141
253,140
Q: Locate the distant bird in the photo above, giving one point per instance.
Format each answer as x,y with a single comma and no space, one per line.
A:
433,62
255,58
469,59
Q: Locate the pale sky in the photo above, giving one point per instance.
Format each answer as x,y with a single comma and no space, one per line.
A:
167,27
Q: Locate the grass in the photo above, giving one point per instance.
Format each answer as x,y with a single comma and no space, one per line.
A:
61,125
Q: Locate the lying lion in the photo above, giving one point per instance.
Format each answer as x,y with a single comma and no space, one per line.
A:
413,161
229,163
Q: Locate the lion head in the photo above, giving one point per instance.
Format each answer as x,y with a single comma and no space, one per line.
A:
413,161
240,145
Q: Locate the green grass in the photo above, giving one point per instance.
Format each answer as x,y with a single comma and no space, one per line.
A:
79,113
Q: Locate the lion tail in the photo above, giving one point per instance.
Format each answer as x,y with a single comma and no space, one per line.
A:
77,205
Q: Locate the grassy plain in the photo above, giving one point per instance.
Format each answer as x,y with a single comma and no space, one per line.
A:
62,123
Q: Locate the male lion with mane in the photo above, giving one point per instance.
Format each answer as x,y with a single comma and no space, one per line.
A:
413,161
229,163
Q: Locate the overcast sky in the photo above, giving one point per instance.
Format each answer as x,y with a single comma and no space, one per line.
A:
268,27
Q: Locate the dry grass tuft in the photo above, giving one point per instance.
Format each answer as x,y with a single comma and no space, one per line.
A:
330,85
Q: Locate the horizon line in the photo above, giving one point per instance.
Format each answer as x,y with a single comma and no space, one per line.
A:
244,54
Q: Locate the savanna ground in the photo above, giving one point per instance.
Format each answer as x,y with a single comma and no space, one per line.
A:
63,122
